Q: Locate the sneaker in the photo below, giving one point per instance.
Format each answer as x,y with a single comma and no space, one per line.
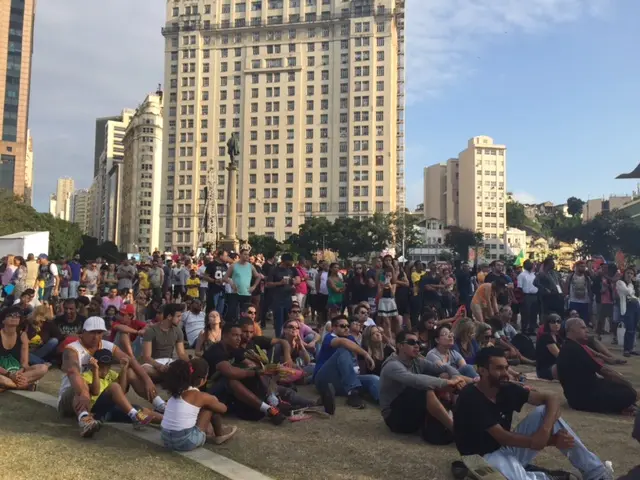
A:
228,431
626,354
160,409
88,426
141,420
328,399
275,416
354,400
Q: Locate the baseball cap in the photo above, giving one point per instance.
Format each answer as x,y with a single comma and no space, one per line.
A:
103,356
94,324
43,256
128,309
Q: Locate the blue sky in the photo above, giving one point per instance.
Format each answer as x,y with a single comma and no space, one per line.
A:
562,94
555,80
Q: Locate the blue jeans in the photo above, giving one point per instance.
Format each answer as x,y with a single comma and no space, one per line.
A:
339,371
630,320
511,460
468,371
280,313
40,355
216,302
183,440
582,309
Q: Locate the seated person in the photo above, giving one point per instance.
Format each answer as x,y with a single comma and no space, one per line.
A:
336,365
108,389
160,340
588,384
249,311
310,338
241,384
192,417
484,335
24,302
74,397
373,342
211,334
193,322
111,299
110,316
361,312
411,388
482,424
68,326
548,348
355,330
522,343
444,354
465,343
502,341
15,371
40,351
634,473
127,332
299,354
426,330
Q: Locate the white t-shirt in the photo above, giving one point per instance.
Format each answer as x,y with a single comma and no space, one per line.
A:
193,325
369,322
83,356
201,271
311,280
324,290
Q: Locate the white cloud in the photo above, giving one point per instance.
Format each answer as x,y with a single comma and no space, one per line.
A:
443,35
524,197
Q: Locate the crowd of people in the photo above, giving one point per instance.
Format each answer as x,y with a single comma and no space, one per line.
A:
439,349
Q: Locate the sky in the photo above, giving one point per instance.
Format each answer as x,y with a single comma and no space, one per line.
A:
556,81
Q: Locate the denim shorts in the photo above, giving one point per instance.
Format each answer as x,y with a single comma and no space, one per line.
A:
183,440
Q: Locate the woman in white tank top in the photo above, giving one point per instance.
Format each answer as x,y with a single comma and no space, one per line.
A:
192,417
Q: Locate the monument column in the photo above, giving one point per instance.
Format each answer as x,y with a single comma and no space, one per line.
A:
230,241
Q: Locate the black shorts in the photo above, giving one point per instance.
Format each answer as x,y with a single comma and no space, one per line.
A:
409,414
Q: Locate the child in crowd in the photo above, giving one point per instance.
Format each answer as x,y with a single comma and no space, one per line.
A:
109,402
191,416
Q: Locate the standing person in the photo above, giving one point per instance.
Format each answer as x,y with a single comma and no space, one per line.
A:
179,280
387,317
32,271
193,284
323,292
498,271
549,289
9,268
166,269
126,274
111,299
156,279
529,312
90,278
403,293
604,290
108,277
239,275
76,274
578,289
629,309
48,273
265,307
204,285
357,290
19,277
192,417
465,286
336,288
417,272
431,286
282,280
483,417
65,279
302,289
215,271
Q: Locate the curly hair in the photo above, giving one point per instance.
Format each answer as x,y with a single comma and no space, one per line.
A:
182,374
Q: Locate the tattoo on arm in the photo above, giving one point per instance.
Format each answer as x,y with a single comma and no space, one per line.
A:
70,361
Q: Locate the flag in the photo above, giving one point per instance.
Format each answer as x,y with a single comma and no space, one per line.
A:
519,259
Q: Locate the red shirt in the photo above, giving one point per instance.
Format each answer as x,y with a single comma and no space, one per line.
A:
137,325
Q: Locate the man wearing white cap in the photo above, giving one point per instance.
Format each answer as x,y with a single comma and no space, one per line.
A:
74,397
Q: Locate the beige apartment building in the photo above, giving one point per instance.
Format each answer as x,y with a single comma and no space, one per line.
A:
80,208
16,48
142,178
314,89
595,206
64,190
470,192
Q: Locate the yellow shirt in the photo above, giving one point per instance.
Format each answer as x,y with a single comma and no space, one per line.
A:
104,382
415,279
193,287
143,281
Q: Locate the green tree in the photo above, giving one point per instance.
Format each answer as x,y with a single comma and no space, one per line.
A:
516,217
574,206
314,234
606,234
406,228
263,244
459,240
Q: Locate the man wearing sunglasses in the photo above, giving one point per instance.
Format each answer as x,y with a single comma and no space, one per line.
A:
410,392
336,365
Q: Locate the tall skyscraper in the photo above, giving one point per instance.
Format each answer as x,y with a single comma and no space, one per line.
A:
80,209
16,48
65,188
142,178
315,92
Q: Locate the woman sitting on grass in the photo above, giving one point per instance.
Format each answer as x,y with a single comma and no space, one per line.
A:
465,343
15,371
444,354
191,416
548,348
211,334
373,341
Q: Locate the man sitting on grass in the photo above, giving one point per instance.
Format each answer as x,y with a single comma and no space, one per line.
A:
74,397
109,401
482,425
588,384
159,342
127,332
410,387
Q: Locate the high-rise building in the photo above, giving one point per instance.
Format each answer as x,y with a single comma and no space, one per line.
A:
142,178
109,135
80,209
64,190
16,48
470,192
315,92
28,171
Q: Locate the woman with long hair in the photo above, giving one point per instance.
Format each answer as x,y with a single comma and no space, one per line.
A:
42,345
191,417
373,342
402,296
465,344
444,354
336,288
629,309
387,316
484,335
357,287
548,348
211,334
299,354
19,279
109,278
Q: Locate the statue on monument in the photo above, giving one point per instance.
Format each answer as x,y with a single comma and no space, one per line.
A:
233,149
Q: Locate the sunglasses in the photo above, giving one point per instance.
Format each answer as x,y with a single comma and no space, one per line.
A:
555,322
411,342
295,311
343,325
251,312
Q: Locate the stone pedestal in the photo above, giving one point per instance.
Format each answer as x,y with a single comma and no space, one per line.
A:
230,241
